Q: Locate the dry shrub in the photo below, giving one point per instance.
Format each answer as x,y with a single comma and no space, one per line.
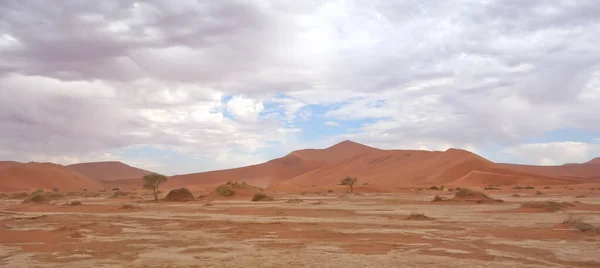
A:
38,191
550,206
295,201
2,195
225,190
19,195
76,235
580,196
529,187
515,195
179,195
539,193
129,206
434,188
418,217
262,197
547,187
491,187
437,198
73,194
208,204
580,225
468,193
36,199
118,194
75,203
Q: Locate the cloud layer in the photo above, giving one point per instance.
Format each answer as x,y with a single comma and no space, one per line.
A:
238,82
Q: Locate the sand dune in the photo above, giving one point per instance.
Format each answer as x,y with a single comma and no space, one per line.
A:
262,175
108,171
589,170
43,175
384,170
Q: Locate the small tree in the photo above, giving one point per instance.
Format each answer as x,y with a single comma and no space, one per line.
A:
152,181
349,181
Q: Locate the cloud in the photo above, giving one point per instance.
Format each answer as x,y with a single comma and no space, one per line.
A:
244,109
203,77
554,153
331,124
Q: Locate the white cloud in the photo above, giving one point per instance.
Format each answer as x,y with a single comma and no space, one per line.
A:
422,74
244,109
331,124
553,153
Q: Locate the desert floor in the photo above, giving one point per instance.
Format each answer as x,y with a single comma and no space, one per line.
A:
329,230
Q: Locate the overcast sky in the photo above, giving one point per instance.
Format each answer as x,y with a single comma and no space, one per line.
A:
184,86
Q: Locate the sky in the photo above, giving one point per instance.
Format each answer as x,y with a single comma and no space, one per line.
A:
188,86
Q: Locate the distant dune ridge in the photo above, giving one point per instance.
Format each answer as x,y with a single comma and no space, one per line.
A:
108,170
307,168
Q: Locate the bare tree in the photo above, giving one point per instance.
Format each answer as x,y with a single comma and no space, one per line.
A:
152,181
349,181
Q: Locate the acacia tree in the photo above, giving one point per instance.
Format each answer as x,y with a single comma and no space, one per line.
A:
349,181
152,181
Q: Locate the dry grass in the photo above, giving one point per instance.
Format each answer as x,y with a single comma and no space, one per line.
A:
75,203
550,206
295,200
19,195
580,196
437,198
36,199
418,217
225,190
464,192
129,206
262,197
118,194
580,225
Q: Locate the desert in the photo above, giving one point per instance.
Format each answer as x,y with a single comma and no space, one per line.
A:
300,134
447,209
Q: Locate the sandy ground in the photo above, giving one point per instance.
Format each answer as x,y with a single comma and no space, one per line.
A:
333,230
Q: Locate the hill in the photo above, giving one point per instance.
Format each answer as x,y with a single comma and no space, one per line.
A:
33,175
412,167
261,175
108,171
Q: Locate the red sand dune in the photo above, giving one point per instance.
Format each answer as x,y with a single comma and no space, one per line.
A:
589,170
108,171
43,175
384,170
261,175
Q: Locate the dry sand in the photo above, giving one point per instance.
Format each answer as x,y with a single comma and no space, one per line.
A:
367,230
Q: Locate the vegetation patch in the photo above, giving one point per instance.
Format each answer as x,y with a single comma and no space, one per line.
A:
294,201
129,206
437,198
179,195
19,195
579,225
539,193
468,193
36,199
75,203
418,217
550,206
118,194
262,197
225,190
491,187
529,187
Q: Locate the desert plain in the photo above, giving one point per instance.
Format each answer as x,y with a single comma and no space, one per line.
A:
449,209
